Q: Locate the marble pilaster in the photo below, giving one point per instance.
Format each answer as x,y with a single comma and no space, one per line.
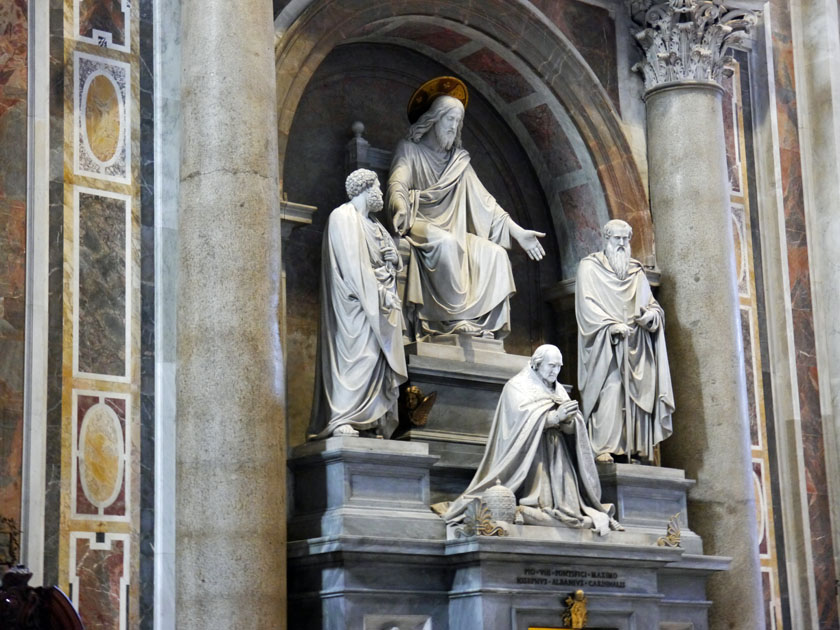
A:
815,25
685,42
230,525
167,95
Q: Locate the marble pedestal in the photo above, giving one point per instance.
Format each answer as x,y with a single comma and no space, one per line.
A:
362,487
468,375
365,552
646,497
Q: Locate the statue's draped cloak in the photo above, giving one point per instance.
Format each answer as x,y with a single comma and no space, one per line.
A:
601,300
552,474
459,276
360,359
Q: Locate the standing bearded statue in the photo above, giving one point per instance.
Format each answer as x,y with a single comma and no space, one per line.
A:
360,360
623,374
459,277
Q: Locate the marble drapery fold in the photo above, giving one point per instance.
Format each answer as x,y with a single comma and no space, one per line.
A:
360,360
459,274
602,300
551,471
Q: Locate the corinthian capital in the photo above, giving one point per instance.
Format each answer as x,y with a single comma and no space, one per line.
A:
687,40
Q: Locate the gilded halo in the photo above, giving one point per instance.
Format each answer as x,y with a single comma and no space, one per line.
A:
423,96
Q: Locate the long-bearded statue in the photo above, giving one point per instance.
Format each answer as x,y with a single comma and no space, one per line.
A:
623,374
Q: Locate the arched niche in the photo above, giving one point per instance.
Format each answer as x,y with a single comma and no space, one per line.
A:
372,82
537,112
526,68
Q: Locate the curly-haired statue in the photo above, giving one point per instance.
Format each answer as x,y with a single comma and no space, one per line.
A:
360,350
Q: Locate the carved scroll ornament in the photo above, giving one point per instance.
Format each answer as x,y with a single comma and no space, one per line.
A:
688,40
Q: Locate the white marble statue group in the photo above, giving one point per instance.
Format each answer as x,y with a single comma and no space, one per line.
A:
542,445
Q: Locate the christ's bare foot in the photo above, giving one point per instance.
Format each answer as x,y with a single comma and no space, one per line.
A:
345,430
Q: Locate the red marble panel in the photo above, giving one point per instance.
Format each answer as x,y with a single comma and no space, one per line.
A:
730,132
591,30
821,544
543,127
747,341
499,74
809,402
437,37
767,588
577,207
814,455
99,572
13,142
791,168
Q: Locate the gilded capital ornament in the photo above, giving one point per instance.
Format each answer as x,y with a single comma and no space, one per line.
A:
687,40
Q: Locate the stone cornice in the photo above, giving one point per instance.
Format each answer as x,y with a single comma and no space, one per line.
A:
687,40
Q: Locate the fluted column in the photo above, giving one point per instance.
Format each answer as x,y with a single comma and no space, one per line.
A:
685,42
230,451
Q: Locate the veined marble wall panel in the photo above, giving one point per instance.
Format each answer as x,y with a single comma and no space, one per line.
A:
102,22
14,24
592,31
499,74
98,528
737,116
748,340
100,565
155,506
771,606
101,111
801,307
102,290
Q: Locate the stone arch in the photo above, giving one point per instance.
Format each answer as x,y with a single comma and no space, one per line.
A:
525,40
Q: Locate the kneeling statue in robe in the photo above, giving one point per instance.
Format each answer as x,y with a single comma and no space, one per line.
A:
360,359
539,449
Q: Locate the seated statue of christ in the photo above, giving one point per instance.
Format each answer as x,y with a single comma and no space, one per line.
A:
459,277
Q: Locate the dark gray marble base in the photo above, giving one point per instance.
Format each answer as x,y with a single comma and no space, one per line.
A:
363,487
493,583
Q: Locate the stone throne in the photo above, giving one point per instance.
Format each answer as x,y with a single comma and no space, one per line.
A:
466,374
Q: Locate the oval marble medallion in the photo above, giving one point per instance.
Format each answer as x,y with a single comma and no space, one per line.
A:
102,118
101,455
